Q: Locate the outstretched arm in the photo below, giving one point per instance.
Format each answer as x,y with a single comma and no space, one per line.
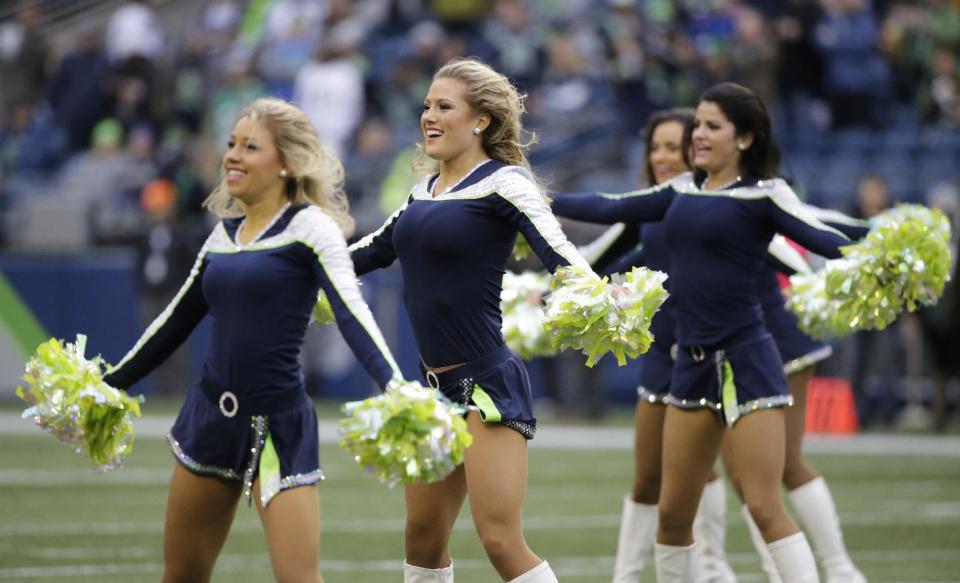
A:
168,330
375,251
338,280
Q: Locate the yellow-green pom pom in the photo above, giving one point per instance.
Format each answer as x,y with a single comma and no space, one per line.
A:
583,312
70,400
407,435
902,263
521,249
523,316
322,311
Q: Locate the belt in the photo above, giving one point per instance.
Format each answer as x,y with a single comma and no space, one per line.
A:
467,369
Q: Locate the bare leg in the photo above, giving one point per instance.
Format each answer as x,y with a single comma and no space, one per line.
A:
432,510
496,472
291,522
200,510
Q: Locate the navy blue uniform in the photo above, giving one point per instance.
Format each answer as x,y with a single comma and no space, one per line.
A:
453,249
251,393
717,243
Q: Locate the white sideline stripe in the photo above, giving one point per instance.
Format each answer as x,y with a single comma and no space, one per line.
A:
914,515
232,563
604,438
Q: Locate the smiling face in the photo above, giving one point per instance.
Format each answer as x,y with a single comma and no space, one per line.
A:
252,163
666,151
716,146
448,121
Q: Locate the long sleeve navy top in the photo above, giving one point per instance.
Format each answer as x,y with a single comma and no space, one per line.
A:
717,244
260,297
453,248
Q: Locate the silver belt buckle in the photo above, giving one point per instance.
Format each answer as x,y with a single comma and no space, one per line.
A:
432,380
226,398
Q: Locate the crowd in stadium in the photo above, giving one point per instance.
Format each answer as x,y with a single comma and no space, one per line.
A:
121,110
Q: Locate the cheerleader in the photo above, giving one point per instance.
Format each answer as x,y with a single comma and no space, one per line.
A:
727,373
453,238
808,492
247,427
616,251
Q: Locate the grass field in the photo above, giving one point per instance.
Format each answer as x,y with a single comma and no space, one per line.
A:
62,522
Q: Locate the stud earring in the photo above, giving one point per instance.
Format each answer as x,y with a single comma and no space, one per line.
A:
284,173
476,131
741,147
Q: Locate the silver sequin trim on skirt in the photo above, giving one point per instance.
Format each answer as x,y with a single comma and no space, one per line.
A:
195,466
653,398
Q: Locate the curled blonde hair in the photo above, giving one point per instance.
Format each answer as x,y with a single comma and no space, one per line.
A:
316,175
491,93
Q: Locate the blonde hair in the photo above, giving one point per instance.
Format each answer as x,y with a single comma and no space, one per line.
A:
491,93
316,175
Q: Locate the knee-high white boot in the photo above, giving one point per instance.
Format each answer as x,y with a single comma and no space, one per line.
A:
817,514
414,574
766,561
710,532
794,559
542,573
676,564
638,531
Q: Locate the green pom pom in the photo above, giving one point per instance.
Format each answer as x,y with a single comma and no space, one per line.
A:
322,311
70,400
523,316
583,312
521,249
409,434
902,263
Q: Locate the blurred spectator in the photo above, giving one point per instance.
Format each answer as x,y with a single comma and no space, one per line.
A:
191,82
23,55
753,56
79,91
31,141
857,77
220,21
292,32
940,323
941,97
518,42
800,69
329,89
239,88
134,31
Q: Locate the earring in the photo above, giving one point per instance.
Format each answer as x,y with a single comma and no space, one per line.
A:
284,173
476,131
741,146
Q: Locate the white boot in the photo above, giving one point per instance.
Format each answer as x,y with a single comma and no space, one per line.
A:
818,517
542,573
638,531
766,561
710,532
414,574
794,559
675,564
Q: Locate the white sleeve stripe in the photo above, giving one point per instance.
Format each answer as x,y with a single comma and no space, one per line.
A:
593,250
361,314
788,255
323,241
834,216
786,200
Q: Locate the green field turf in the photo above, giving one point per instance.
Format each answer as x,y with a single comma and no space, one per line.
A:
62,522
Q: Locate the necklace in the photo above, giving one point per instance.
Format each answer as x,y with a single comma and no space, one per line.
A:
273,221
